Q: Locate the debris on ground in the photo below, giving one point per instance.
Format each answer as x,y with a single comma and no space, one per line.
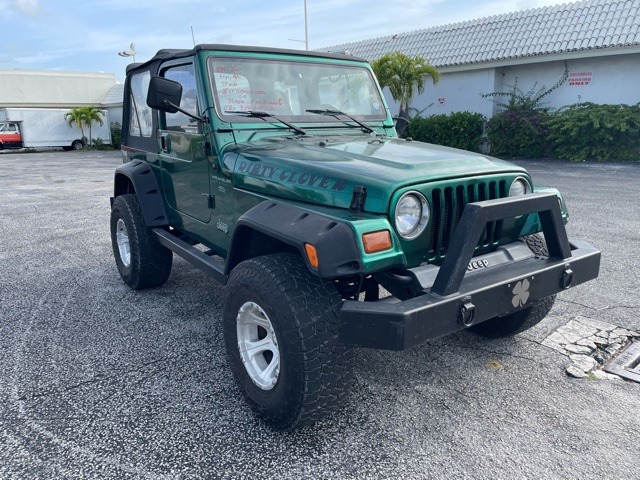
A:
589,344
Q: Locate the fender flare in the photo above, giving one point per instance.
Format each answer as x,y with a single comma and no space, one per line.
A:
334,240
145,185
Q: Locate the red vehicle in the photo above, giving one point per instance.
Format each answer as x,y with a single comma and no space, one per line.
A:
10,135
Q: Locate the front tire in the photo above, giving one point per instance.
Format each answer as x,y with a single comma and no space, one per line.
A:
281,331
141,260
523,319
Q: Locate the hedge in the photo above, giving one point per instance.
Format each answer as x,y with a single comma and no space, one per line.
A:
459,130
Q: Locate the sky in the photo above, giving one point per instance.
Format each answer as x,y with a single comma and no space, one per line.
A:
86,35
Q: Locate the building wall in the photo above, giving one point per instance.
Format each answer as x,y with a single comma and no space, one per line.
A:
611,79
457,92
115,114
607,79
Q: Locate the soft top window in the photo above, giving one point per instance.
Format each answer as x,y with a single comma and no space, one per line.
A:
140,120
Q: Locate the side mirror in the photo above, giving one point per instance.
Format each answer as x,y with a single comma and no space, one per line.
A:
164,94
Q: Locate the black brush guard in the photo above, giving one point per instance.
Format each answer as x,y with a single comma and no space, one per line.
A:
454,301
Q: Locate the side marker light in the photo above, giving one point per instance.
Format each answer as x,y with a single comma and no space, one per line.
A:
376,241
312,255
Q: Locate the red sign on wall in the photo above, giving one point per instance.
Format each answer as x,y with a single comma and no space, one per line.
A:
580,78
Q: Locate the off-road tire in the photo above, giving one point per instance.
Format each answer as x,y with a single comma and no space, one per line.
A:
523,319
150,262
316,369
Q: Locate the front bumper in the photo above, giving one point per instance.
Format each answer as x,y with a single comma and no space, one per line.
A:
455,298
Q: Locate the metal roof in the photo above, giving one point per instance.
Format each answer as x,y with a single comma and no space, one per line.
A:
53,88
571,27
115,96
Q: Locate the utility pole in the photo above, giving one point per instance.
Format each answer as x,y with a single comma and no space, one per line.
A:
306,29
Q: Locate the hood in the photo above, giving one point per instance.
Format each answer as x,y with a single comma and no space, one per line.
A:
325,170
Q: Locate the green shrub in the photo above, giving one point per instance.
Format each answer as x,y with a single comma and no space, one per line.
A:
519,130
459,130
601,132
116,135
519,133
98,144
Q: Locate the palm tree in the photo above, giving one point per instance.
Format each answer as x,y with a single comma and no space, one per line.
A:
84,116
403,75
92,114
77,116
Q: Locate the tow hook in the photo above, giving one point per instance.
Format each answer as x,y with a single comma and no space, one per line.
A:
567,277
467,312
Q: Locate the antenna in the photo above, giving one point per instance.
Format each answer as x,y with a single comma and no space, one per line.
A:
193,37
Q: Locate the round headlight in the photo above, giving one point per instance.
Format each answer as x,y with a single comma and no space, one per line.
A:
520,186
412,215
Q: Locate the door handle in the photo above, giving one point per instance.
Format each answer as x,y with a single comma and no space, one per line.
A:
165,142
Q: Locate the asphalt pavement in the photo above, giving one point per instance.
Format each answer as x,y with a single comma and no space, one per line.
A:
98,381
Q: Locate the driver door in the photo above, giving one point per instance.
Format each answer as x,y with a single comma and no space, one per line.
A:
183,153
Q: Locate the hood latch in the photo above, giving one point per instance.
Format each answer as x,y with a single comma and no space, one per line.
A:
358,198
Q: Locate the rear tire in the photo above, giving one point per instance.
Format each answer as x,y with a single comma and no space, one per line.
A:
281,331
523,319
141,260
77,145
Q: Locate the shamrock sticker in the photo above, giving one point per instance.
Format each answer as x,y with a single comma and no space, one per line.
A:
520,293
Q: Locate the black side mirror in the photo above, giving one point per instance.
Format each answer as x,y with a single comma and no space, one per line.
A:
164,94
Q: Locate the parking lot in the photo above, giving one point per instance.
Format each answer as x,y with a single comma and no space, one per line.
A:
98,381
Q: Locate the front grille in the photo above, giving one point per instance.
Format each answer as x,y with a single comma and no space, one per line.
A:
447,205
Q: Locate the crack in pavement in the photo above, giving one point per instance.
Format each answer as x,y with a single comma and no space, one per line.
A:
576,303
541,344
118,374
602,309
630,307
492,352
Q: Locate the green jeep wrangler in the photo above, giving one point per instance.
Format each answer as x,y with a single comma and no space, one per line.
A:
279,173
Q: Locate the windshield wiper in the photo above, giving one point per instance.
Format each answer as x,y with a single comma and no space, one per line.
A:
264,116
335,113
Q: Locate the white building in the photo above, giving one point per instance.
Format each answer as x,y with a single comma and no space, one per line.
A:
598,39
112,102
60,89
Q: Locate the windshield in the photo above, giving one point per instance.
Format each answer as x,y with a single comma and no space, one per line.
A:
289,89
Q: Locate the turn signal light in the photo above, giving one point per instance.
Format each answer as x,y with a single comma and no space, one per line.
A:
376,241
312,255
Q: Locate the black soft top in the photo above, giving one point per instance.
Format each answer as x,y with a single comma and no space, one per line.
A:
170,54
